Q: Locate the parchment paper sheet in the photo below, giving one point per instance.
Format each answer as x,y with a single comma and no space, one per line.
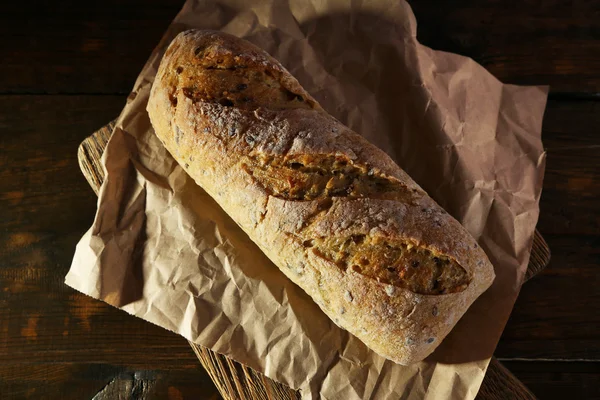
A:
162,250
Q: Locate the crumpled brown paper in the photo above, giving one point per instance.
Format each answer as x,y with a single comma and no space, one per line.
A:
162,250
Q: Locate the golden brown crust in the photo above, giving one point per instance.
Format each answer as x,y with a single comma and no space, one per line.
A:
252,137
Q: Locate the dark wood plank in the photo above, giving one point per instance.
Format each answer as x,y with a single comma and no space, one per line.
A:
79,46
520,41
556,314
559,380
101,382
100,46
55,342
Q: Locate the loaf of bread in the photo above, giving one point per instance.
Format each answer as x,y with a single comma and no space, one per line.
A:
331,210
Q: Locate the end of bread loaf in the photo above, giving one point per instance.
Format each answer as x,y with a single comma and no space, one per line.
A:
332,211
231,73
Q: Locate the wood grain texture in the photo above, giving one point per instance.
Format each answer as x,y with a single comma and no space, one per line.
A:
236,381
556,316
99,47
519,41
56,343
79,47
153,385
553,380
102,382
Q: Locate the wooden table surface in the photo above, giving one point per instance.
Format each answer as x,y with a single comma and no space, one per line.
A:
66,69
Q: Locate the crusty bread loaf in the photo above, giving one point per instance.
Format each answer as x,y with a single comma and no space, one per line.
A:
331,210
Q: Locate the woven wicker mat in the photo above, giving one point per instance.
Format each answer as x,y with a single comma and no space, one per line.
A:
238,382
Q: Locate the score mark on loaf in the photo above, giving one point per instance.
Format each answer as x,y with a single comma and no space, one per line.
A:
331,210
